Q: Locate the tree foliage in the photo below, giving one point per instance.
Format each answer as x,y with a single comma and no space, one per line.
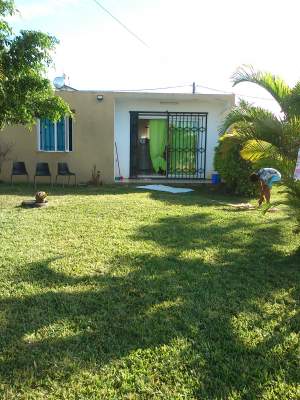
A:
25,92
272,83
267,138
232,167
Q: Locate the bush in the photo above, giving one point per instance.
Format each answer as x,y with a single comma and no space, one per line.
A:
293,190
234,170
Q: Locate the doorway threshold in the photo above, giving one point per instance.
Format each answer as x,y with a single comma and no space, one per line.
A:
164,181
151,177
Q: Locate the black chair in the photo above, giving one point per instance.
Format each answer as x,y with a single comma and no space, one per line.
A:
63,170
18,168
42,169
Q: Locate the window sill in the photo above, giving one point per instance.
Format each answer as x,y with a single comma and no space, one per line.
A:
54,151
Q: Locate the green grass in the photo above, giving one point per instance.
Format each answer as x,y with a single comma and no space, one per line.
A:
115,293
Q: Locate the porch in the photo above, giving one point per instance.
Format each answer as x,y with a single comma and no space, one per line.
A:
166,138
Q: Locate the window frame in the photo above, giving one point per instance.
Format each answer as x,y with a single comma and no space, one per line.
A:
68,121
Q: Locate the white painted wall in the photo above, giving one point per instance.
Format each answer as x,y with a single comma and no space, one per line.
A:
216,109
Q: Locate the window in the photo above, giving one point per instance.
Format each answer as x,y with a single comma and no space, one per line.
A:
55,136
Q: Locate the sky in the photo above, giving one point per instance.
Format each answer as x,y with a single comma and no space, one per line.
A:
201,41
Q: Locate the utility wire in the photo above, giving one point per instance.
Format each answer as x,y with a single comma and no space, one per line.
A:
121,23
148,89
191,85
237,94
168,87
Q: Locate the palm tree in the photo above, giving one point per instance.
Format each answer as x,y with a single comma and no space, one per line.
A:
266,136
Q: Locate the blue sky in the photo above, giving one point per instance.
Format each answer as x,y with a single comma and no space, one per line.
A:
192,40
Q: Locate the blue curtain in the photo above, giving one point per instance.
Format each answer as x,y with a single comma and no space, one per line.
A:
61,137
47,142
47,135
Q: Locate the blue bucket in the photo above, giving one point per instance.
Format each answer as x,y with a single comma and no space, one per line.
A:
215,178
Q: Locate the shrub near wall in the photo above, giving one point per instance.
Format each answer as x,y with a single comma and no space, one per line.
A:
233,169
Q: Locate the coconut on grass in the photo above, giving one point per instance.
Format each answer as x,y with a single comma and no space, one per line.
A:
40,200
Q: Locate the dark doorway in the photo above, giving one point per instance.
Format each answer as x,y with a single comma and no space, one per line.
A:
168,145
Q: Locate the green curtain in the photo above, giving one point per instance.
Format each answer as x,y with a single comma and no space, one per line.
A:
183,162
158,142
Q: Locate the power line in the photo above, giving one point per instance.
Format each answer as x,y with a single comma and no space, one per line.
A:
169,87
191,85
121,23
237,94
148,89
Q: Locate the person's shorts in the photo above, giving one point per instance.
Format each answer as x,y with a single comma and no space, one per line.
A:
273,180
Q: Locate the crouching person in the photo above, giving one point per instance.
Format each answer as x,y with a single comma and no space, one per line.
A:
266,177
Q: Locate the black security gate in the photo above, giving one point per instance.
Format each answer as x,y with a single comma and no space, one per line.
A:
185,150
186,145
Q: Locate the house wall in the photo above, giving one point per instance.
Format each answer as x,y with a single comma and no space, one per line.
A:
93,140
216,110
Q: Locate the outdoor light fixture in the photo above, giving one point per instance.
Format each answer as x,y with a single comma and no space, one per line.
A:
99,97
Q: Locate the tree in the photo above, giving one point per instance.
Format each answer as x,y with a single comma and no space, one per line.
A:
25,92
234,170
267,137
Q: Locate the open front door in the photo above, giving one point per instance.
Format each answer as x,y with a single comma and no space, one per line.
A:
168,145
134,117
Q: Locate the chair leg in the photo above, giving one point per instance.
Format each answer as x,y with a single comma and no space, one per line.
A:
75,180
11,177
56,179
69,180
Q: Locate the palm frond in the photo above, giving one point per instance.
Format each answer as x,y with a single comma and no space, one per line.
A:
267,207
290,139
249,122
255,150
245,112
276,86
265,154
292,102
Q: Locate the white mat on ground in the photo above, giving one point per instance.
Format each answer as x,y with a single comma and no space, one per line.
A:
164,188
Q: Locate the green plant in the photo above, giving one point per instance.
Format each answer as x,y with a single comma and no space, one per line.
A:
269,139
96,177
293,192
25,92
114,293
234,170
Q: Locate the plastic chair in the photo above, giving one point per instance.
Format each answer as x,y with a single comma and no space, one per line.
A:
18,168
42,169
63,170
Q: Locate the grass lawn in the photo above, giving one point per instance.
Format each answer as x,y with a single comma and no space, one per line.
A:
115,293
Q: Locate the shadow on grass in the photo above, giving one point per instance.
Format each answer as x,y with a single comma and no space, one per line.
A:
202,192
58,190
204,290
